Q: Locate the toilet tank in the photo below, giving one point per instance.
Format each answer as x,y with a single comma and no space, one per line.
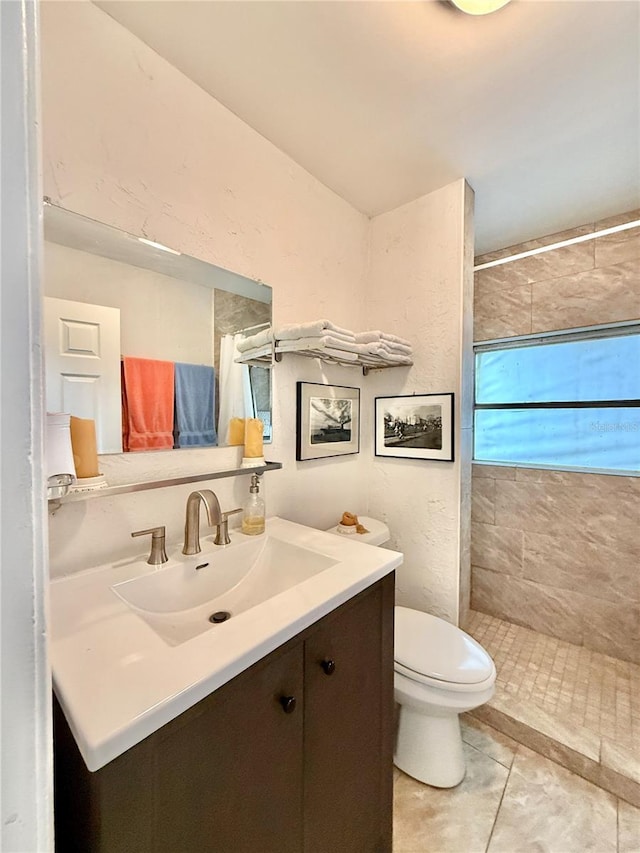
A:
378,532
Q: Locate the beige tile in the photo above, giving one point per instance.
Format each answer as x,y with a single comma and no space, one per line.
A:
548,808
561,700
552,264
628,828
605,572
609,484
501,313
539,242
547,609
548,747
493,472
483,500
561,510
622,515
580,739
449,820
496,548
618,219
622,759
622,246
619,247
602,295
611,628
493,743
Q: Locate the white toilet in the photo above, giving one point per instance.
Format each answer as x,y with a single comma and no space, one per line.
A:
440,672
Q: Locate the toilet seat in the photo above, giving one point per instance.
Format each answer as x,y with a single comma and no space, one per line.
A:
438,683
431,651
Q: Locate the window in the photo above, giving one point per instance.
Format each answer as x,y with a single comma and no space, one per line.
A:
563,400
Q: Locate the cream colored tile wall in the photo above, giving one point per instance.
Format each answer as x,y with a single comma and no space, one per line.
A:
557,551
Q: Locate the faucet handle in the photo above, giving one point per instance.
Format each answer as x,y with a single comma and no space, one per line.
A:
229,512
222,531
158,554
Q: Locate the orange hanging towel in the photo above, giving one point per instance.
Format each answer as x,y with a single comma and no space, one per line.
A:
147,404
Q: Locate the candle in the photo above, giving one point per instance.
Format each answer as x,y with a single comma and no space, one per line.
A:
83,443
253,438
236,431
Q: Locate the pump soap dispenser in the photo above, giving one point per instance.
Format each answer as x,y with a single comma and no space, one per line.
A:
253,517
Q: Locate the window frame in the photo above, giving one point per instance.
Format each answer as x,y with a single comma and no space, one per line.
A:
611,330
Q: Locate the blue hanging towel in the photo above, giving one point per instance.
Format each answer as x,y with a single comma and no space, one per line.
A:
195,401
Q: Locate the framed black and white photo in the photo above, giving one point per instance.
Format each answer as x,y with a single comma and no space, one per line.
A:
328,421
417,426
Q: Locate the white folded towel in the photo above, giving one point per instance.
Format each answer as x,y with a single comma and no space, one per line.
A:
265,351
321,341
261,338
397,348
387,355
291,331
311,345
377,335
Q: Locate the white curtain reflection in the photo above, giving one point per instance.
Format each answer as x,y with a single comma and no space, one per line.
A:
234,387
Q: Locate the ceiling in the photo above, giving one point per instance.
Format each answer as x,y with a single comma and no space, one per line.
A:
537,105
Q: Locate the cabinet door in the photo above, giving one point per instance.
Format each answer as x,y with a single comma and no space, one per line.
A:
349,727
229,776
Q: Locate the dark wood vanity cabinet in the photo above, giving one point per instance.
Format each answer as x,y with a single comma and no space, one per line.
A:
294,755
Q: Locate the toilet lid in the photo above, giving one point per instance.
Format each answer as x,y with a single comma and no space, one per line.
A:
430,646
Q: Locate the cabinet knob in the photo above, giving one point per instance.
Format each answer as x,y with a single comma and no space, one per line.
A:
288,704
328,666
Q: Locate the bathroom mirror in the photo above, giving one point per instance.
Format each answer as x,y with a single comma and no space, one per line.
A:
109,294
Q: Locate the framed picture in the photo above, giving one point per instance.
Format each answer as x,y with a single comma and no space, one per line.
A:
328,421
419,426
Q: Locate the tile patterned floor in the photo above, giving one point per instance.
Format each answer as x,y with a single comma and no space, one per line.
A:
575,706
578,686
512,800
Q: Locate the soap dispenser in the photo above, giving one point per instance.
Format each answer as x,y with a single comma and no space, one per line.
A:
253,516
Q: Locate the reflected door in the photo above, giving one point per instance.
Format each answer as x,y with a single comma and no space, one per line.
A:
82,344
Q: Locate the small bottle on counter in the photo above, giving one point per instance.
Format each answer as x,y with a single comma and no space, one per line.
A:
253,515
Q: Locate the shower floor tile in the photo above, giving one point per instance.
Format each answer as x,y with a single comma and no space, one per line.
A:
580,707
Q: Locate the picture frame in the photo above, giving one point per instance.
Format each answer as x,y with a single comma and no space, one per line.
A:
327,421
415,426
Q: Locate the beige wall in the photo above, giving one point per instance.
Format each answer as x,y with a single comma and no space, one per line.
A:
559,551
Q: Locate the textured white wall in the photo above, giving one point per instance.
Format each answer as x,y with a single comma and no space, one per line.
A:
416,288
130,141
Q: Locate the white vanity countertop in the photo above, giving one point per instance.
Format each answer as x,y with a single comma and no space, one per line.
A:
118,681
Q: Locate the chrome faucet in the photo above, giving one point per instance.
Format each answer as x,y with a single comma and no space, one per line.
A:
192,521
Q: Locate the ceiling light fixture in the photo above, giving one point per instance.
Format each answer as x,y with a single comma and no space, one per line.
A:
478,7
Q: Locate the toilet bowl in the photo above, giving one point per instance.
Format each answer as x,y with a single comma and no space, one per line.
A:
439,673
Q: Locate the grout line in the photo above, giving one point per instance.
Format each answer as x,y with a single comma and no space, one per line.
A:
504,790
486,755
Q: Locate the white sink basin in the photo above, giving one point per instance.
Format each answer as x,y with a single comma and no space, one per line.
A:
177,601
121,665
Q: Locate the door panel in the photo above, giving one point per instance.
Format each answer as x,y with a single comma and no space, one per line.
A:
230,779
349,711
82,354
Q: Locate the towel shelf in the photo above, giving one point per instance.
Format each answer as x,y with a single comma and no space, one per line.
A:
145,485
265,356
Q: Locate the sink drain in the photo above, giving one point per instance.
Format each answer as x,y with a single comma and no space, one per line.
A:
219,616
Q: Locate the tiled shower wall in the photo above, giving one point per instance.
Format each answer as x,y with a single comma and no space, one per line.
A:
555,551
